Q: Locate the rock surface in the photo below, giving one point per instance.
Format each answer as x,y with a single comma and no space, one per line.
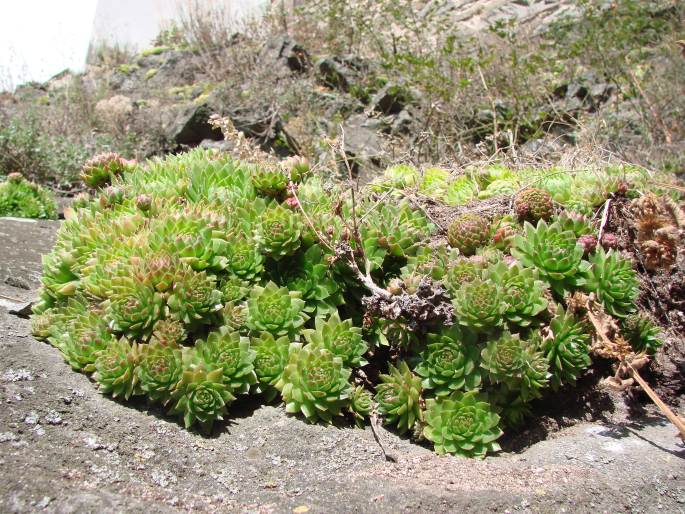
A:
66,448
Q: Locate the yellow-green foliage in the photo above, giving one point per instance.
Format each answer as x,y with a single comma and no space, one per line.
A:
23,199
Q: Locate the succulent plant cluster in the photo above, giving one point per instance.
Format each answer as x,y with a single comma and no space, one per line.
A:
21,198
195,280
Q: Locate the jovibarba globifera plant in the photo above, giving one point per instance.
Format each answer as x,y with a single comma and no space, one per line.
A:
196,280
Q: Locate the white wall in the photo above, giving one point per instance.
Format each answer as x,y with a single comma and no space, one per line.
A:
39,38
136,22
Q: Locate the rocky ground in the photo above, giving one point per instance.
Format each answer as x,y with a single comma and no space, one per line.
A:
66,448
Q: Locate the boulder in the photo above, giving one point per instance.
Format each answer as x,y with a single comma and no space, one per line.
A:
288,55
191,126
363,145
340,72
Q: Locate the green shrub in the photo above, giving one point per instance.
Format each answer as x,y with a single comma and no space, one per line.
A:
23,199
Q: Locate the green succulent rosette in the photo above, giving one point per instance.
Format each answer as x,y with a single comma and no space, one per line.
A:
234,316
134,307
202,397
270,361
159,370
462,424
460,191
340,337
461,271
566,348
430,261
192,237
234,289
555,253
361,404
308,273
115,369
276,310
269,181
100,170
399,397
517,364
83,339
315,383
614,282
244,259
194,297
449,362
574,222
278,232
479,305
392,229
169,332
230,352
524,294
642,334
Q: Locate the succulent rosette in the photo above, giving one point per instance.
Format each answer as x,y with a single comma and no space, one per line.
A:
194,297
234,289
361,403
461,271
275,309
642,334
134,306
234,316
469,232
566,348
116,369
555,253
340,337
201,397
308,273
399,397
432,262
101,169
270,181
168,332
449,362
314,382
191,238
159,370
523,292
462,424
614,281
230,352
270,361
534,204
392,229
244,259
278,232
460,191
479,304
517,364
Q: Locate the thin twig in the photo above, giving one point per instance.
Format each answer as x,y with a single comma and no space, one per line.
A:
494,110
665,409
16,300
374,426
672,416
605,218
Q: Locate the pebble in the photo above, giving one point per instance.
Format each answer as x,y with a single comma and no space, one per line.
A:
53,418
31,418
